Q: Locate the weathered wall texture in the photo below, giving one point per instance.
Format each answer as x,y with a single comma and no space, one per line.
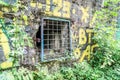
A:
79,12
81,15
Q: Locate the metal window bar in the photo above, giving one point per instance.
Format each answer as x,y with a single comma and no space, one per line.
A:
55,38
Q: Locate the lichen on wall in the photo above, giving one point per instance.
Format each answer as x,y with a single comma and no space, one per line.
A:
79,12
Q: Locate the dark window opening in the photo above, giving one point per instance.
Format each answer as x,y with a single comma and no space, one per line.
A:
38,37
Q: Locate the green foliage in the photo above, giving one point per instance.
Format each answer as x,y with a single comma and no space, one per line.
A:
14,74
58,76
68,73
106,60
80,71
18,39
108,51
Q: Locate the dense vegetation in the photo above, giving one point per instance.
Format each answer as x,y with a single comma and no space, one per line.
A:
104,63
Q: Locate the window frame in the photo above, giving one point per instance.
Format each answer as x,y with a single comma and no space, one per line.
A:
42,36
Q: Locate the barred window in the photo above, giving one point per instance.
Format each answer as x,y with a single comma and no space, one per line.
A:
55,38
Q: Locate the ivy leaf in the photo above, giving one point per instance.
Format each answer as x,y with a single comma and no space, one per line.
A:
25,19
15,9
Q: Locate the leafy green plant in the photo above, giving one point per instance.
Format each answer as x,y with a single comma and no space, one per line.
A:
58,76
67,73
17,74
105,28
106,61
